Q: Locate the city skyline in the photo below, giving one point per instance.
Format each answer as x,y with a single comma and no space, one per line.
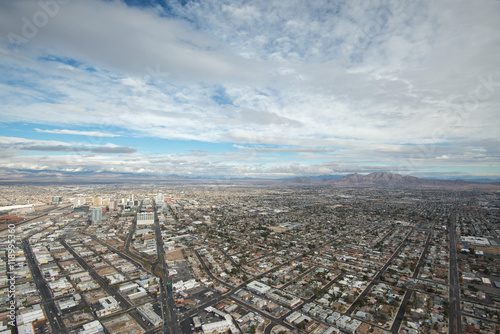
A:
253,89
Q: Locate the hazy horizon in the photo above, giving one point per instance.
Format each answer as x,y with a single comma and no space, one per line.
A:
259,89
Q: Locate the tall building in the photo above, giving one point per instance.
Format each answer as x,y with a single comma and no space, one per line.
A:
113,205
160,198
96,215
79,201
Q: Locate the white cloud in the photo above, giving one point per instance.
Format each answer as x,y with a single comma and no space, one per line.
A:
368,77
10,144
78,133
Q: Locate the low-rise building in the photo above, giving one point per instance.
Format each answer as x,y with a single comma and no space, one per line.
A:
147,312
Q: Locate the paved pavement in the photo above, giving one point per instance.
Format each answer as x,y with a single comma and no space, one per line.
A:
455,321
169,314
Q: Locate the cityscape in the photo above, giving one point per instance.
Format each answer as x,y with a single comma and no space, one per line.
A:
236,257
249,166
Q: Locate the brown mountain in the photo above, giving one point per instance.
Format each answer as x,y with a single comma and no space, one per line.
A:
385,179
381,179
391,180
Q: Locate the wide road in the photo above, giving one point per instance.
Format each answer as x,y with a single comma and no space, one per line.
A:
132,229
51,312
455,321
169,315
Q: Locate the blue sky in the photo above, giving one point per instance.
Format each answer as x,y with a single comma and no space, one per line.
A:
250,88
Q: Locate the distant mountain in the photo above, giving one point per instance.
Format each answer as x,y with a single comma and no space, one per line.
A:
376,180
385,179
483,180
326,177
303,180
382,179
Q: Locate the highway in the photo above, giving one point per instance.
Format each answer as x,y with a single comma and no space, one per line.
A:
51,312
132,229
455,324
169,315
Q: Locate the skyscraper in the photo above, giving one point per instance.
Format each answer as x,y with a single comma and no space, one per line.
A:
160,198
96,215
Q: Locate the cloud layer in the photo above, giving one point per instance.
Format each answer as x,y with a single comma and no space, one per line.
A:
298,88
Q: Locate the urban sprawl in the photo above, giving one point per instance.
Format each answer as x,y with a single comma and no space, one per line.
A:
233,258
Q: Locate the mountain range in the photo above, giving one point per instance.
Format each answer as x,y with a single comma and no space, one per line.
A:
386,179
375,180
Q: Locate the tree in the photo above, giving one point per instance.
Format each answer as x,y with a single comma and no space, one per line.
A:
253,329
317,292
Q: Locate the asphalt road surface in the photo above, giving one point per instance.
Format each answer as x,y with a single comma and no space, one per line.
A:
455,324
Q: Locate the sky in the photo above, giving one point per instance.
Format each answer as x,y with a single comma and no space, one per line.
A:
261,89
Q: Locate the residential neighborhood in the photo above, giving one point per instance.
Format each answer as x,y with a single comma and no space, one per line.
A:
248,259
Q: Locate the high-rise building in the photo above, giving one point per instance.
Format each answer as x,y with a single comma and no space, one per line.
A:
77,201
113,205
160,198
96,215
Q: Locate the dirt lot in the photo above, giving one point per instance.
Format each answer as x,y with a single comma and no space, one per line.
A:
174,255
122,324
489,250
93,296
107,271
113,242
